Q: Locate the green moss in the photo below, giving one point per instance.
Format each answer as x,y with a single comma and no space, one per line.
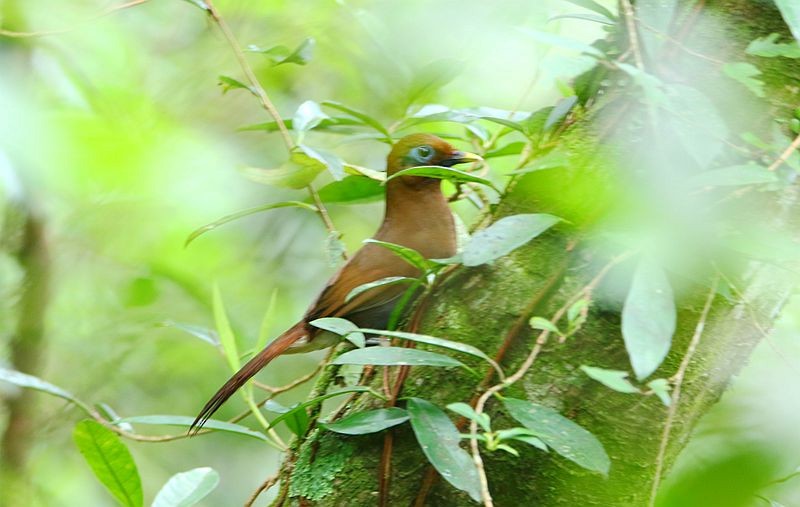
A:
317,466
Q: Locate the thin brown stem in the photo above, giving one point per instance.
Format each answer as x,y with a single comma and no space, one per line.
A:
785,155
676,391
265,486
42,33
633,36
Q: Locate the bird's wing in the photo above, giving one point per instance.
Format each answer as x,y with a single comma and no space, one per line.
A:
367,266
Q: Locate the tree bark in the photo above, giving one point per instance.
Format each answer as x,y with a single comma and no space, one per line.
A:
485,306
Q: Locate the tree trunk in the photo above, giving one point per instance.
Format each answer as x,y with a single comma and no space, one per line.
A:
488,305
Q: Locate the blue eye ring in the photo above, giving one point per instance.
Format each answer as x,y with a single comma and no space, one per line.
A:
423,153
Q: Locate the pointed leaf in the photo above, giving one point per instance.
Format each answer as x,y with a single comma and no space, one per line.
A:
226,337
184,421
331,161
439,439
614,379
352,190
594,6
746,74
395,356
467,411
355,113
544,325
203,333
296,420
342,327
187,488
443,173
278,55
29,381
504,236
439,342
319,399
249,211
370,421
307,116
767,47
560,434
228,83
409,255
648,318
661,388
389,280
790,10
110,460
560,111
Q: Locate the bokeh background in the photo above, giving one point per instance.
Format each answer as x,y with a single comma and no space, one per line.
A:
121,137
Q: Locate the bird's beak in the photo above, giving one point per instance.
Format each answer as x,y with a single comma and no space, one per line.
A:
461,157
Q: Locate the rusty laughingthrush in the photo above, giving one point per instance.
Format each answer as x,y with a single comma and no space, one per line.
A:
417,216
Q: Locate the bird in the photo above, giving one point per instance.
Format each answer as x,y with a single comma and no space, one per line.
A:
416,216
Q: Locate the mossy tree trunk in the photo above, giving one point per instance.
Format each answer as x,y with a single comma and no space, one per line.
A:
485,306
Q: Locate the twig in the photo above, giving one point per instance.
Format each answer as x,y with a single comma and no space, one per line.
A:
249,74
266,103
41,33
785,155
676,392
271,481
541,340
633,36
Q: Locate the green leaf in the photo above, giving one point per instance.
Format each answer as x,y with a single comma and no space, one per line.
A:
614,379
352,190
203,333
790,10
228,83
247,212
187,488
365,118
297,172
395,356
552,160
467,411
594,18
278,55
389,280
439,439
523,435
186,422
110,461
552,39
333,163
409,255
266,322
747,174
767,47
504,236
370,421
307,116
29,381
560,434
443,173
296,420
226,337
594,6
342,327
746,73
514,148
439,342
560,111
320,399
648,318
544,325
661,388
331,124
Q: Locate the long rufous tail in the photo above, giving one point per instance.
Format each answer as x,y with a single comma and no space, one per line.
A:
253,366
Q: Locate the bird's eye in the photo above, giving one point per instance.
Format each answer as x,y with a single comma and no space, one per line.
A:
423,153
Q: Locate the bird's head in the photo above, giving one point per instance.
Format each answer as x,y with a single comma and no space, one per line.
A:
423,150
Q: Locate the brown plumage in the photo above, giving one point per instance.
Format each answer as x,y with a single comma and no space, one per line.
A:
417,216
